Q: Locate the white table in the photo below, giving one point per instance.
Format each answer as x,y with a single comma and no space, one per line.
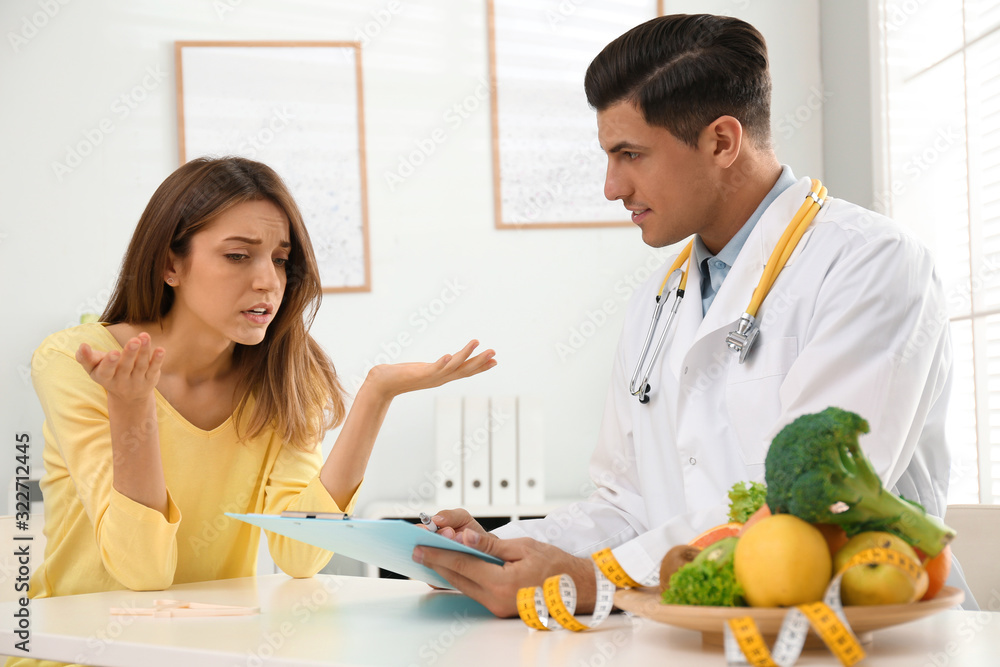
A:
337,620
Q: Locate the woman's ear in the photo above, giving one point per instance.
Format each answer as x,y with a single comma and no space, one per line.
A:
170,273
724,138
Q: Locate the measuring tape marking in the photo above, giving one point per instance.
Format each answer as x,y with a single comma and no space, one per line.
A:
834,633
556,599
883,556
751,643
531,608
560,598
608,565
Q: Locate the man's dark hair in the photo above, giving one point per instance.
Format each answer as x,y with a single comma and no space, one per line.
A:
684,71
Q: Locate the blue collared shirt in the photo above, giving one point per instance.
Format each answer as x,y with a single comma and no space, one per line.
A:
714,269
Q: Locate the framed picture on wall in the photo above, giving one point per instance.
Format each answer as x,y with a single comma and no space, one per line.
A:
548,167
297,107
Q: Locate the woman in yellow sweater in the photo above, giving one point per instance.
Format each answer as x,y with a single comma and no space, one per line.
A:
202,392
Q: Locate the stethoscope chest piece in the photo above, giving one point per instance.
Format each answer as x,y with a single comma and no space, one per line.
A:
741,340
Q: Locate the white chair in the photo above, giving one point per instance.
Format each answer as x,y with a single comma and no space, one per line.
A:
976,547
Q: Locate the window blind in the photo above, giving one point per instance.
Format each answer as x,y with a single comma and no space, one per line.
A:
941,101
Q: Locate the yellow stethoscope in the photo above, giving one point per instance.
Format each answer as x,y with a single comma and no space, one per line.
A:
741,340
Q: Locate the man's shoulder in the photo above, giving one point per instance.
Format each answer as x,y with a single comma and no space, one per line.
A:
848,226
859,223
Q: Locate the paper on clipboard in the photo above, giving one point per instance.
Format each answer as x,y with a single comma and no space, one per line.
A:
386,543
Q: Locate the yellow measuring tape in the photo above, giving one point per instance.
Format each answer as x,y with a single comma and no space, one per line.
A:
556,600
881,556
834,633
608,565
744,644
750,641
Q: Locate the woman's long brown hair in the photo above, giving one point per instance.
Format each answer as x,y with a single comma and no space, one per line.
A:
293,382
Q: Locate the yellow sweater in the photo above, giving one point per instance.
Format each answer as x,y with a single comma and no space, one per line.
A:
100,540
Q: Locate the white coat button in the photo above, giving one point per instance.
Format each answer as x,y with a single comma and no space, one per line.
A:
685,370
692,460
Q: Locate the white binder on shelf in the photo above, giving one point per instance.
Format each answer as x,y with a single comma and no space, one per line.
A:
448,443
530,451
476,451
503,450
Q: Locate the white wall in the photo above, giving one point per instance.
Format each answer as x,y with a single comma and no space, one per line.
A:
850,139
522,292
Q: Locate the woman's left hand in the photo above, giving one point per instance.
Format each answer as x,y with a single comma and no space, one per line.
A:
345,466
395,379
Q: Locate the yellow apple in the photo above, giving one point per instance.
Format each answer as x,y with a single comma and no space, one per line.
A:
877,583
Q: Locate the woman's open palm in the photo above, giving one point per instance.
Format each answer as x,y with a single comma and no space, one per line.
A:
398,379
130,374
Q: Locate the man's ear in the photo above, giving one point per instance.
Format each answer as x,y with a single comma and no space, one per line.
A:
723,138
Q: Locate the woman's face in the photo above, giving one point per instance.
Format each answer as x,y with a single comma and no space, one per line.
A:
233,278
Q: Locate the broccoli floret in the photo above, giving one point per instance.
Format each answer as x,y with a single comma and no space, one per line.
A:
745,500
816,470
708,579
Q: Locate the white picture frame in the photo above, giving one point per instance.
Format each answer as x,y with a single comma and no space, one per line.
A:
548,167
299,108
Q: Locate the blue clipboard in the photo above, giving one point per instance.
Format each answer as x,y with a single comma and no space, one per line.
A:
385,543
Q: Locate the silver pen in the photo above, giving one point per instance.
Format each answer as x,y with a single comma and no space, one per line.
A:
426,520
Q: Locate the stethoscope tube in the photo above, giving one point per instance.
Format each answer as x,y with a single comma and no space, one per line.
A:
643,387
742,339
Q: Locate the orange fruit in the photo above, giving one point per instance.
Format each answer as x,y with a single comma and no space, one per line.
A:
713,535
763,512
937,570
835,536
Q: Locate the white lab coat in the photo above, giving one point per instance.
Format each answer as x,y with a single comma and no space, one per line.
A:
856,320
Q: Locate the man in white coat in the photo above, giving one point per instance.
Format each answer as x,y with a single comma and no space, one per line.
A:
856,319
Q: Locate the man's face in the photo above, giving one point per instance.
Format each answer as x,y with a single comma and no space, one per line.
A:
663,181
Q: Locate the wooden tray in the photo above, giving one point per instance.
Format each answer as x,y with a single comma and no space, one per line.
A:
709,620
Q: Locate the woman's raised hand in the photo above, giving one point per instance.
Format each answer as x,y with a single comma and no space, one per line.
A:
345,466
395,379
128,375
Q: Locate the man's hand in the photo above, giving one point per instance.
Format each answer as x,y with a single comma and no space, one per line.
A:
451,523
528,562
